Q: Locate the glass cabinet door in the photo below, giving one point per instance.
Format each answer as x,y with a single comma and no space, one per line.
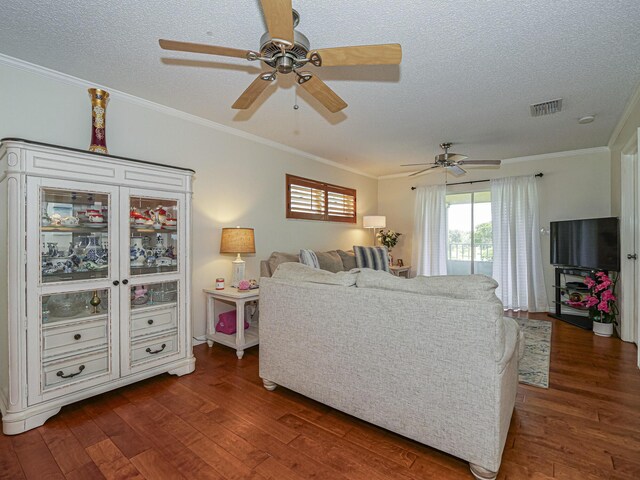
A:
74,235
153,238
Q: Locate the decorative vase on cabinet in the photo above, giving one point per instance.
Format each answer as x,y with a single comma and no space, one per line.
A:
69,326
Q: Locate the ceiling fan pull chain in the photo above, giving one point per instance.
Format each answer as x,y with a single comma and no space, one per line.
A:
295,99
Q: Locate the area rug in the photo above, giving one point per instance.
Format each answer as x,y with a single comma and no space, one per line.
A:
534,367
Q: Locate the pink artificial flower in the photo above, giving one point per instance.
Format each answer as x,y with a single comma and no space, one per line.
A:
590,301
604,307
589,282
601,274
608,296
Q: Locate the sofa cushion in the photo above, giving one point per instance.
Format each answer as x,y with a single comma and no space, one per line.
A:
277,258
376,258
330,261
474,287
309,258
298,272
348,259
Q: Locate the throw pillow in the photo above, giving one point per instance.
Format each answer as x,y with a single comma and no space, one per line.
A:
348,259
376,258
277,258
309,258
297,272
330,261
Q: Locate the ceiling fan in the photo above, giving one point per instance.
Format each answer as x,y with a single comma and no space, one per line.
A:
286,50
450,161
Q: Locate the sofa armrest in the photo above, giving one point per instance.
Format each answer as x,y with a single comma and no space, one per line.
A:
512,342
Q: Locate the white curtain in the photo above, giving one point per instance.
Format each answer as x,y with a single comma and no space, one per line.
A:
517,260
430,231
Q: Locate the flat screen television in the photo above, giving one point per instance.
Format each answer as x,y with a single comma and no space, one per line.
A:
589,243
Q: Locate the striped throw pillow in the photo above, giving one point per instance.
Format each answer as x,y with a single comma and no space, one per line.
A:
309,258
376,258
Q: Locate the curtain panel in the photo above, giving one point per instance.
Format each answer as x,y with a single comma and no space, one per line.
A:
430,231
517,259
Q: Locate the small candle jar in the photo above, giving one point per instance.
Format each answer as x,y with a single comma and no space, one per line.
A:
219,283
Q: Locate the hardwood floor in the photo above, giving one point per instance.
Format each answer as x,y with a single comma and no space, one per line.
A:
219,423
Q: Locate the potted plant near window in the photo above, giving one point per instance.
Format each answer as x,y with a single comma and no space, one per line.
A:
389,239
601,302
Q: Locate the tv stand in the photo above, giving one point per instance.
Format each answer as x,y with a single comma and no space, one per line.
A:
581,321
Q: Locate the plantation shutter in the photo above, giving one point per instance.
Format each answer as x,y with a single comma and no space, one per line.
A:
312,200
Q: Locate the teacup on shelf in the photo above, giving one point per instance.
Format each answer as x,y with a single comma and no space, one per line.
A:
171,222
96,218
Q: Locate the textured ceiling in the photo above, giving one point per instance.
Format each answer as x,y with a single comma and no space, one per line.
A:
470,69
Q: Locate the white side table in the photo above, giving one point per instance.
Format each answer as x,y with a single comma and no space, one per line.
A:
242,339
400,271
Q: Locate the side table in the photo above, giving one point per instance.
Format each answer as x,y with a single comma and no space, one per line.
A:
400,271
242,339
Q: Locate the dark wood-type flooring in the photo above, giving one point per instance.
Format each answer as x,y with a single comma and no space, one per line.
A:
220,423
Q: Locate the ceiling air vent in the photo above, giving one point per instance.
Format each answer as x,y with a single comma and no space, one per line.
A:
546,108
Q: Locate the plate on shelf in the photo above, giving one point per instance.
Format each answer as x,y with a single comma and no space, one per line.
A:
171,228
94,225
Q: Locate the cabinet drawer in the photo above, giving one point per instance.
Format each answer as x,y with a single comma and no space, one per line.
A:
69,339
153,349
75,369
154,321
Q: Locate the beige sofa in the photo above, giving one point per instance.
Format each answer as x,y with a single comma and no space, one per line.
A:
430,358
331,261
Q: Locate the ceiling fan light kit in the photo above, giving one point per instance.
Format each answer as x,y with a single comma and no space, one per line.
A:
286,50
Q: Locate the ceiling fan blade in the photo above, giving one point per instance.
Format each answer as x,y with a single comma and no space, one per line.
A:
253,91
387,54
456,170
202,48
321,92
456,157
415,164
479,162
279,17
423,171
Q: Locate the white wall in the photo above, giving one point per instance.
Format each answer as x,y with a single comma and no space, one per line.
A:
575,185
238,181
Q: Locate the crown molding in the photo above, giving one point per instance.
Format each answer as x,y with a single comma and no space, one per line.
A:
75,81
634,102
393,175
566,153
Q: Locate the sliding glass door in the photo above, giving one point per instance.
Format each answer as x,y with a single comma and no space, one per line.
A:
469,244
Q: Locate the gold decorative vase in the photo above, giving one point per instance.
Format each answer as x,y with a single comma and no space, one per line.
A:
99,99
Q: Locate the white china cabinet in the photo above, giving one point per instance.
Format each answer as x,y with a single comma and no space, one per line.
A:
94,276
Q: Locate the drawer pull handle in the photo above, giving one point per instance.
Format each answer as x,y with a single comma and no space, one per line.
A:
77,336
71,375
164,345
150,322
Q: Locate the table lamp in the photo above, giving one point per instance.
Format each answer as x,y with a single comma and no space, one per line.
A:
237,240
374,221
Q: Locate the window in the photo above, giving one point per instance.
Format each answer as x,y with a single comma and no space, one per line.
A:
470,234
313,200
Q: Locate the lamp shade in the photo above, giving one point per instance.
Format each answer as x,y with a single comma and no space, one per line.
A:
374,221
237,240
